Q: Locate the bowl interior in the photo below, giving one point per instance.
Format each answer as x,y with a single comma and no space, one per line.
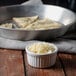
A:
56,13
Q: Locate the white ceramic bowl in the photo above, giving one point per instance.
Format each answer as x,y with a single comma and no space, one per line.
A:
41,60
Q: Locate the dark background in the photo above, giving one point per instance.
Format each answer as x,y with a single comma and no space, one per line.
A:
70,4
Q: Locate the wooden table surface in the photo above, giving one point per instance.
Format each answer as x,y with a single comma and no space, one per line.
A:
14,63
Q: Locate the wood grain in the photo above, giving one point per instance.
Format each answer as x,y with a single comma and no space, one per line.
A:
55,70
69,64
11,63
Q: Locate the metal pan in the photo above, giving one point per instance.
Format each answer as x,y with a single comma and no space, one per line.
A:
62,15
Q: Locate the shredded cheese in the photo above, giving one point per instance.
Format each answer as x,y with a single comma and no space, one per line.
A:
41,47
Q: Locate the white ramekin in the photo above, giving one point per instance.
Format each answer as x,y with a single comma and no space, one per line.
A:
41,60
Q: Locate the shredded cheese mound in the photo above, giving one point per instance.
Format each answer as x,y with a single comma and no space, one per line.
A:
41,47
7,25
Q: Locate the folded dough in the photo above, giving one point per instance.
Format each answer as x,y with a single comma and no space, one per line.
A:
43,24
22,22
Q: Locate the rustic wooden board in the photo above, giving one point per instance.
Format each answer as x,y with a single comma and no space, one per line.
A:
11,63
55,70
69,64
